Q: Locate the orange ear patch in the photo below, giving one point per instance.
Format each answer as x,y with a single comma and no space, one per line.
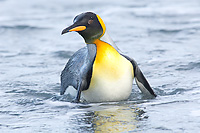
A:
102,24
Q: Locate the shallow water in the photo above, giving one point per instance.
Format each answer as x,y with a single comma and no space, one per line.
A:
162,36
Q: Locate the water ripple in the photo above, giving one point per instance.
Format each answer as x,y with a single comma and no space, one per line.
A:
189,66
21,27
63,54
30,101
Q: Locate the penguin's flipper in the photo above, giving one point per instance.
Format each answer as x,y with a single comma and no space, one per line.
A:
78,71
141,81
71,73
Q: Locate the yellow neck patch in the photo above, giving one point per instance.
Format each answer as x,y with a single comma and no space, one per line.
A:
102,24
108,62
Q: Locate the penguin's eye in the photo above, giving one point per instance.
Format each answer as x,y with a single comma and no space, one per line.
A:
90,21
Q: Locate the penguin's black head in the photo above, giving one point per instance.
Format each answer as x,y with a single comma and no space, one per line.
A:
89,25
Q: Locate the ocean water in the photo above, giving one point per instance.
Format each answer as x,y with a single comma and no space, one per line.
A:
163,36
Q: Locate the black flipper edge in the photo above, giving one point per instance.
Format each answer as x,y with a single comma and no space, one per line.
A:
141,81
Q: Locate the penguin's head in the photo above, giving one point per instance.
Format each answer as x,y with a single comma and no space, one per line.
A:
89,25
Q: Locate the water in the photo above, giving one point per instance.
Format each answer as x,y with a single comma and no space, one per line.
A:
162,36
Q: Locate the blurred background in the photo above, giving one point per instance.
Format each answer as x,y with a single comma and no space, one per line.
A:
163,36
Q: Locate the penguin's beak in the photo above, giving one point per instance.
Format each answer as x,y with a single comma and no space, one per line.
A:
73,27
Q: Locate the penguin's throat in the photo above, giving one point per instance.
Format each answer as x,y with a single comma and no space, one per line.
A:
107,59
105,52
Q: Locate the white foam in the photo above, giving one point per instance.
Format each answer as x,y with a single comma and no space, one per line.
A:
195,113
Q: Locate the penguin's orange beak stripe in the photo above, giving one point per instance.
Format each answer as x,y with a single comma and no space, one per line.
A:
78,28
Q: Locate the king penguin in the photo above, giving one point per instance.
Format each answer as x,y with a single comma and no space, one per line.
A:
100,72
